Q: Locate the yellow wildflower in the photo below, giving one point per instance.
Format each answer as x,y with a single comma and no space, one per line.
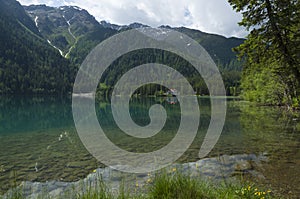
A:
94,171
249,188
174,169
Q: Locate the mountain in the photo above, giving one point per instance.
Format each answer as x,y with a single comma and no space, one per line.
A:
106,24
63,26
42,47
219,47
28,64
72,29
123,27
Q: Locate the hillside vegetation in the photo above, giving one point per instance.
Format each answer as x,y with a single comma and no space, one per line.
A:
42,48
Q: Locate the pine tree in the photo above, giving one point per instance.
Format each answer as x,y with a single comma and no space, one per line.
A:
271,50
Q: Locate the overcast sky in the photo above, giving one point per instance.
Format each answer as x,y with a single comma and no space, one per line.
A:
212,16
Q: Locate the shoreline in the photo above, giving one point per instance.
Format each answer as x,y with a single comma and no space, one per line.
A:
225,167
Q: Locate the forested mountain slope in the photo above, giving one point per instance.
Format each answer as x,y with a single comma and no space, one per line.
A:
27,63
42,48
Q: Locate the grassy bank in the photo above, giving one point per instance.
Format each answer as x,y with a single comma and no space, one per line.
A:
164,185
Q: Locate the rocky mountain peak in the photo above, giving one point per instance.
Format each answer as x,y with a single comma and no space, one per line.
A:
62,26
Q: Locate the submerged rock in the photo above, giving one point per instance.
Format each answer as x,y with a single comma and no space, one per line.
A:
223,167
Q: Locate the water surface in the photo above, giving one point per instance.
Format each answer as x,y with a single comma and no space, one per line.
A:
39,142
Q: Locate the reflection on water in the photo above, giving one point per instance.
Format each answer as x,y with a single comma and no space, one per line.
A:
276,132
33,114
38,140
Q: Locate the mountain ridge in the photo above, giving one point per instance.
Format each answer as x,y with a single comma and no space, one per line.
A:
218,46
65,35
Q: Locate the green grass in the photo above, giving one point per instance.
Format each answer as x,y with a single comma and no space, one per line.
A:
184,187
165,185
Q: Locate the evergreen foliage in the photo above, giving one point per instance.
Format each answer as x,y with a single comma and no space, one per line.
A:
28,65
272,55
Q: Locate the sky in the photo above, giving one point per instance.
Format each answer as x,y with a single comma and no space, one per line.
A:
212,16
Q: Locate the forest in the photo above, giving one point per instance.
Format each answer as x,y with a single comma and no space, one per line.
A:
30,65
27,63
264,67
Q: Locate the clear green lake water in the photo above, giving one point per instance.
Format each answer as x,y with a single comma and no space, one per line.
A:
39,142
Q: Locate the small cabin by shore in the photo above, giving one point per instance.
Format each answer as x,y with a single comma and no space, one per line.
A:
172,92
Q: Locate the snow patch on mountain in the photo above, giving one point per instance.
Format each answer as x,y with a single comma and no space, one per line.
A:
36,21
60,51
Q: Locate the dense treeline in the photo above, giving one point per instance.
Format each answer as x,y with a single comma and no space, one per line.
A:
27,63
136,58
220,48
272,55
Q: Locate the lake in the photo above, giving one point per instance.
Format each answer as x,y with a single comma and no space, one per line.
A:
39,142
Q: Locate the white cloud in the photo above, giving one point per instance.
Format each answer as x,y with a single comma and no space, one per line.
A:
214,16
